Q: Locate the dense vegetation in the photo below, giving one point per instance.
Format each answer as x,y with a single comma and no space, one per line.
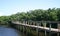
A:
35,15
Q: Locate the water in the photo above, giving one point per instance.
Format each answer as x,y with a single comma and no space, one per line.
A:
4,31
8,32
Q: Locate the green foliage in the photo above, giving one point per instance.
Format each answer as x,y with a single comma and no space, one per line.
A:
35,15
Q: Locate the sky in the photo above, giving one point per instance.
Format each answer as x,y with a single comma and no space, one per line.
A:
8,7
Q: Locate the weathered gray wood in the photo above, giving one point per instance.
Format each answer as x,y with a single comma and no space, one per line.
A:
27,22
37,29
35,26
45,32
59,26
58,29
23,29
58,34
44,26
33,23
50,29
26,31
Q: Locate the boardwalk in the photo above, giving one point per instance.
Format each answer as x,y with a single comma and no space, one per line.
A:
48,31
40,27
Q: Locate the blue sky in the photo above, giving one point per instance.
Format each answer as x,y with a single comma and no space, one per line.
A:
8,7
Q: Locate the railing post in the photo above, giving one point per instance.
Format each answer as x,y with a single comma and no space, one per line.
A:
44,26
34,23
28,29
58,29
28,22
50,29
20,21
57,33
37,29
39,23
25,22
25,27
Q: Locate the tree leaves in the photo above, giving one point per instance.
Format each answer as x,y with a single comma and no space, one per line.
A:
35,15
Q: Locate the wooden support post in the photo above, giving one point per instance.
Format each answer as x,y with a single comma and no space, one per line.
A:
58,34
45,32
44,24
26,28
34,23
50,29
17,27
26,31
37,32
23,29
20,21
25,22
23,26
30,27
37,29
39,23
20,27
28,22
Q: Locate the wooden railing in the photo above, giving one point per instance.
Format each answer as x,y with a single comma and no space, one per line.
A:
37,24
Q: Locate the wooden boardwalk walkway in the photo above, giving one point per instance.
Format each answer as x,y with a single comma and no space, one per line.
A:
40,27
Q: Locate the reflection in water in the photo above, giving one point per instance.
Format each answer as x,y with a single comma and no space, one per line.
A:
8,32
